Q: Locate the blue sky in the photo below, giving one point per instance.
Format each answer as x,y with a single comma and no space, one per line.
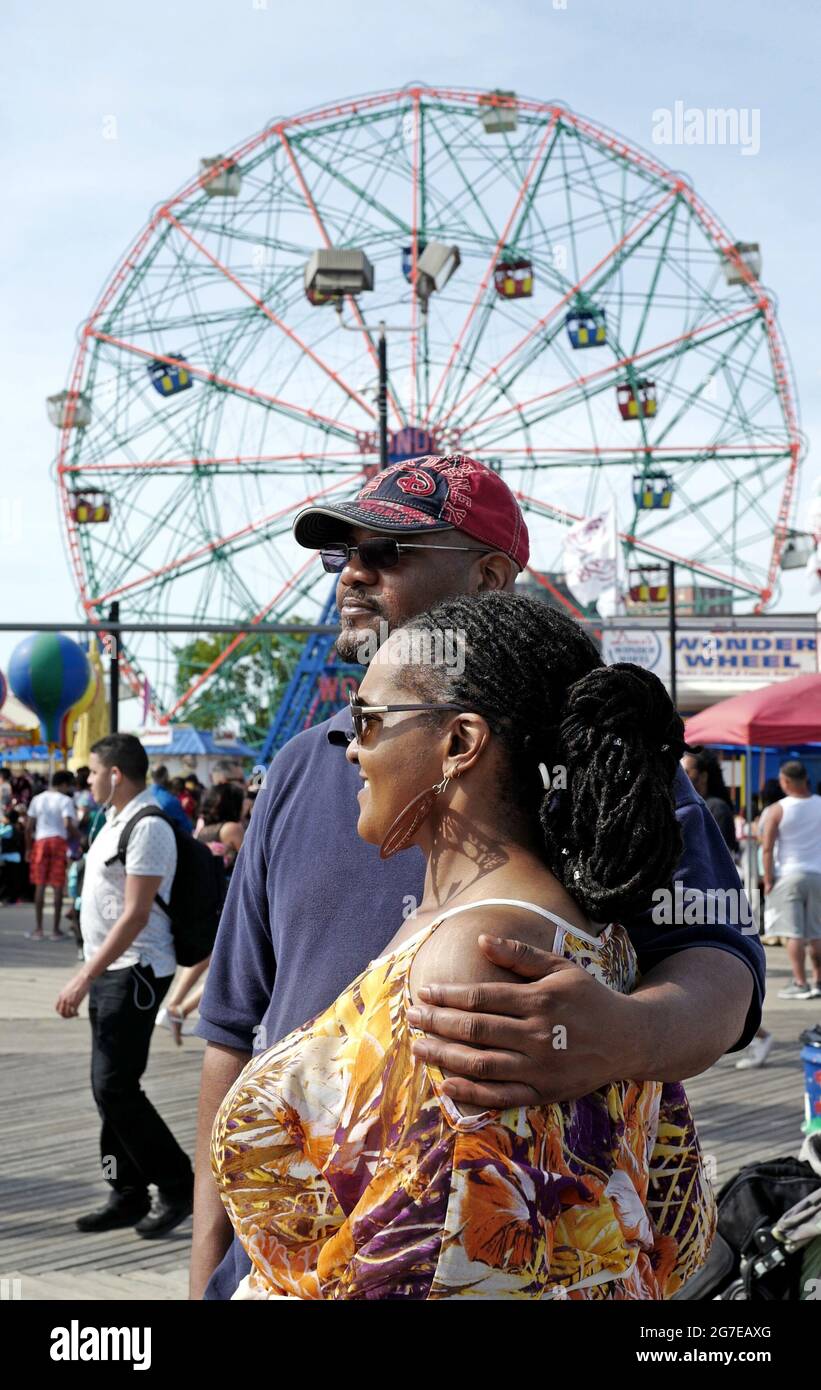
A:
184,80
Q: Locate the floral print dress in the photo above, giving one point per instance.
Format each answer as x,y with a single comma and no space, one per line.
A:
348,1174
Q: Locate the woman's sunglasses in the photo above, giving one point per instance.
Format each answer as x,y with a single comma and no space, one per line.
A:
378,553
361,713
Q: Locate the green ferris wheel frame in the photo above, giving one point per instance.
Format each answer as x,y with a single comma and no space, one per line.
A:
202,486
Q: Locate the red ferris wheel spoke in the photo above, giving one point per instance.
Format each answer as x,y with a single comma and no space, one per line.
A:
786,504
670,452
638,543
244,461
269,314
248,147
692,335
238,639
557,594
777,448
357,313
177,566
630,236
302,413
485,281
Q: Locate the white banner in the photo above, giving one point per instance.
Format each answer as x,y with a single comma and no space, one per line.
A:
590,557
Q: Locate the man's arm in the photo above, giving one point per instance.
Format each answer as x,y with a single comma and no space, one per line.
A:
690,1010
212,1230
768,839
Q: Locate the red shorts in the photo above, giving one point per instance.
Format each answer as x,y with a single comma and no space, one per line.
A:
48,862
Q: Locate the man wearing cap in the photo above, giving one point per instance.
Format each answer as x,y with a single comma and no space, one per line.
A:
310,903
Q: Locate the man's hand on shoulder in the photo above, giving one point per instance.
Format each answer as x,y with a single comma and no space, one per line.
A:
534,1029
558,1034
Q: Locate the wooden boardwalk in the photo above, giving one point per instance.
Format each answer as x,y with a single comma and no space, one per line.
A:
49,1164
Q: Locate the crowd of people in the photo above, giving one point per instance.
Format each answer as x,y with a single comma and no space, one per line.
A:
445,1032
46,829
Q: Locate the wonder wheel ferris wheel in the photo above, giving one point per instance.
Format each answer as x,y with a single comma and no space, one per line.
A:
561,306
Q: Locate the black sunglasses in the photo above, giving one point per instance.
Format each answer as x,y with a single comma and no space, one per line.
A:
360,713
379,553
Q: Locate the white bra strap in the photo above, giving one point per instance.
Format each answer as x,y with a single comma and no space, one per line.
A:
512,902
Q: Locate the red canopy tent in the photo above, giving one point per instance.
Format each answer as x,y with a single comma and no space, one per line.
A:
785,712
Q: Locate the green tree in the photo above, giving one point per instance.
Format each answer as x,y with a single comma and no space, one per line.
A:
245,691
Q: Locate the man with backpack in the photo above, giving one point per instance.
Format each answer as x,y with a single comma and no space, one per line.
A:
130,961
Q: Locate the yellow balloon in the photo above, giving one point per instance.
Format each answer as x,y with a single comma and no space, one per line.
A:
85,702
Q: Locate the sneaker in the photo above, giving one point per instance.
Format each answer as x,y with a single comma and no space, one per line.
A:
815,989
757,1053
118,1211
795,991
165,1215
811,1037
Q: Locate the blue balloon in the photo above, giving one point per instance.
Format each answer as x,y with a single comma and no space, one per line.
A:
49,673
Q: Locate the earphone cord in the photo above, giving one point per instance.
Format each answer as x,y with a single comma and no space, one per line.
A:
143,1008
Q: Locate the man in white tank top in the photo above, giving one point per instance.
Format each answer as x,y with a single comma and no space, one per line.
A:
791,846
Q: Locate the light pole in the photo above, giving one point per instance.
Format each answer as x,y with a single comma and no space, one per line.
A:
382,348
381,330
333,274
671,584
114,670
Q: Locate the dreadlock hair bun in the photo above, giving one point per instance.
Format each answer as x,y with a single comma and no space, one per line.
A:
620,699
621,739
610,834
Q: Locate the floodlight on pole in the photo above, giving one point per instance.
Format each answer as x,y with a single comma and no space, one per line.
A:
332,273
434,268
798,548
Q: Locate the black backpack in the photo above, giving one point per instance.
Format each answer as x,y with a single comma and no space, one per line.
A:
197,893
746,1262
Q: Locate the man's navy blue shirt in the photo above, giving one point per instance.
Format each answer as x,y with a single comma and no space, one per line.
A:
310,904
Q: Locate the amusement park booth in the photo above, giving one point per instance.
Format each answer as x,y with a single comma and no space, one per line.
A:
185,750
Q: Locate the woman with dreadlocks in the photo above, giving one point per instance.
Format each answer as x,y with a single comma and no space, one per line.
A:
538,783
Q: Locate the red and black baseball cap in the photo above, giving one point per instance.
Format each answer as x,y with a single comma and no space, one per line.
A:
430,493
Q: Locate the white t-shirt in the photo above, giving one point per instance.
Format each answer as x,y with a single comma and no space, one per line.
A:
51,810
798,844
152,852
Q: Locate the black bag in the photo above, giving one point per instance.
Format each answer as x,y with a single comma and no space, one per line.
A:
197,893
746,1262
